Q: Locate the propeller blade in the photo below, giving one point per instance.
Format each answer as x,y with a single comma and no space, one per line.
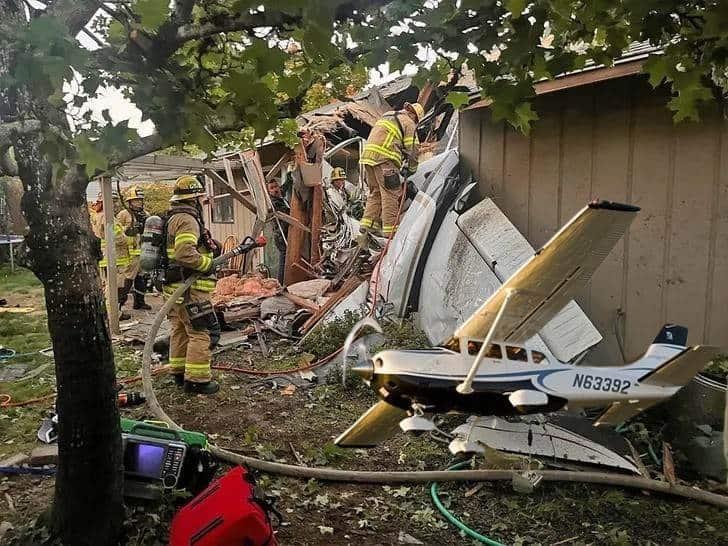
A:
362,351
377,424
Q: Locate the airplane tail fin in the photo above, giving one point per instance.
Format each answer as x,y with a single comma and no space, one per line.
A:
672,334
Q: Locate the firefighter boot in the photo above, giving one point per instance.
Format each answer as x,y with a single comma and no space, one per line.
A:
179,379
139,302
140,285
211,387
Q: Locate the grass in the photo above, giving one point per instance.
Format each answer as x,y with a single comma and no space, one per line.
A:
28,333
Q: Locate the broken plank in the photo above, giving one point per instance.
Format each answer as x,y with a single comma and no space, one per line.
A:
302,302
233,191
347,288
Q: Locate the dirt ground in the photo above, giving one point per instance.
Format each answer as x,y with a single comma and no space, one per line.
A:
267,418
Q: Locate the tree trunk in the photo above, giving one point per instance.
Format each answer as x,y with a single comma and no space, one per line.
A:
63,253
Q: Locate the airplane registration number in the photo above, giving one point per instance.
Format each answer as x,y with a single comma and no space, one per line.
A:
598,383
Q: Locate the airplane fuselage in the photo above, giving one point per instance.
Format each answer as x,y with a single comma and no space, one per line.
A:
430,377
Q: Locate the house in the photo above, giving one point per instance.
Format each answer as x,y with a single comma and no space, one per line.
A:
606,133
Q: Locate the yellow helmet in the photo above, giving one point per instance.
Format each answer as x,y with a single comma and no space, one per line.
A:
187,187
338,174
133,192
417,108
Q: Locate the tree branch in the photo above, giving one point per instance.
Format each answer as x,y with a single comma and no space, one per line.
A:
276,19
183,11
15,128
8,165
76,13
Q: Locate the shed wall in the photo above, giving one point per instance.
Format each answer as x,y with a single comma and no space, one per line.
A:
616,141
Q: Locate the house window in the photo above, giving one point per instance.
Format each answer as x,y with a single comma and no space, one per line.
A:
518,354
223,211
493,352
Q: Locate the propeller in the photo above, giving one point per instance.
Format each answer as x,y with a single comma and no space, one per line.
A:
364,366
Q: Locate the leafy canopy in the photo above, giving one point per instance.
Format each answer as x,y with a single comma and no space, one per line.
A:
213,73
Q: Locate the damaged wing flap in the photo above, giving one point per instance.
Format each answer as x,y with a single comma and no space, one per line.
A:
549,279
377,424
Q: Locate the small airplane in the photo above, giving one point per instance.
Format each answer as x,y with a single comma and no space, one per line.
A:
487,368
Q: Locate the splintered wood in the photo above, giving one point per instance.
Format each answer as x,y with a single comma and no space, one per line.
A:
347,288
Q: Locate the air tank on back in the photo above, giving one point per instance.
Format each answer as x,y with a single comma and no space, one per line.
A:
152,243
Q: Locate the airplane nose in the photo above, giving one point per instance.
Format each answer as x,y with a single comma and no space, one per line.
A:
365,370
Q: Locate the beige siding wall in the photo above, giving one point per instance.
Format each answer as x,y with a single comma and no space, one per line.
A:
616,141
243,219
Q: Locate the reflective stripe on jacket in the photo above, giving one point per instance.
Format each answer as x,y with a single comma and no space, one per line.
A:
386,141
185,248
120,243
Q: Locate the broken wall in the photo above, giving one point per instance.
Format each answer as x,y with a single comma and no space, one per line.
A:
616,140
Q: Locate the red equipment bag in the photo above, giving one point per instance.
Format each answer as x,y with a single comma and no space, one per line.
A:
228,513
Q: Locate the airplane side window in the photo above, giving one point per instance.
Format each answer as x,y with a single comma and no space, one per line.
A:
538,357
518,354
493,352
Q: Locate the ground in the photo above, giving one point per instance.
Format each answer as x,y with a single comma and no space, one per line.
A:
268,419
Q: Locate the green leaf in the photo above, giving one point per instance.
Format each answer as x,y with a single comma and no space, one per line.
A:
524,115
89,155
287,132
516,7
457,99
656,67
152,12
116,33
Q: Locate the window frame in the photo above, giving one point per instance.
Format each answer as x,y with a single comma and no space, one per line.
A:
522,350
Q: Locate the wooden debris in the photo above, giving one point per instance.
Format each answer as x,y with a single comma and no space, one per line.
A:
43,455
302,302
14,460
347,288
261,339
668,466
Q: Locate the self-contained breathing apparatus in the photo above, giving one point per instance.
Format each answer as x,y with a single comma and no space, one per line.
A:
154,260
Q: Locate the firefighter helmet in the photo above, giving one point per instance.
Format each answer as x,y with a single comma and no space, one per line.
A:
114,196
187,187
416,108
338,174
133,192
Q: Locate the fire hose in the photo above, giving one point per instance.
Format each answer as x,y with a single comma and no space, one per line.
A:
372,477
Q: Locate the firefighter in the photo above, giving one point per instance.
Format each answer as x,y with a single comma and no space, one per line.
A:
392,145
192,317
132,219
98,225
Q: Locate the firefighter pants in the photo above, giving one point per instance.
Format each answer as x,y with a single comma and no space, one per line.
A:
189,349
383,203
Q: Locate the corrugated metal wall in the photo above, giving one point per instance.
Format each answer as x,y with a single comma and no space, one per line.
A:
616,141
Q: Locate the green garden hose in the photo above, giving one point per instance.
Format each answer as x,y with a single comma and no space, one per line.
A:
455,521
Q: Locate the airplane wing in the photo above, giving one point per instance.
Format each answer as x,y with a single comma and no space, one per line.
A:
545,283
675,372
377,424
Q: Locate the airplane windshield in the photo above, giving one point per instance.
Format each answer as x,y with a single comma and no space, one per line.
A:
493,352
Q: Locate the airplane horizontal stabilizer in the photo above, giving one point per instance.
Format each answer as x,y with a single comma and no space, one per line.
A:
682,368
377,424
619,412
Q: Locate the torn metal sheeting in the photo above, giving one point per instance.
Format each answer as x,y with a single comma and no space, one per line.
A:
505,249
560,437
